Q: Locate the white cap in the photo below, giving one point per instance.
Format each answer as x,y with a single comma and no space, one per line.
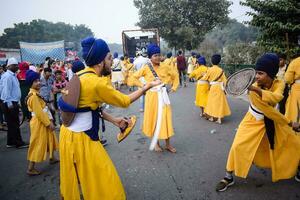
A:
12,61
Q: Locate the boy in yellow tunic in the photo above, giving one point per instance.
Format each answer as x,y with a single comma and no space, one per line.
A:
151,98
174,61
265,137
124,63
292,77
169,62
191,64
202,88
131,69
169,59
217,106
83,158
42,137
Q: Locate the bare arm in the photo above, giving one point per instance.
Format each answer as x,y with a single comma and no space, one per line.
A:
135,95
109,117
117,121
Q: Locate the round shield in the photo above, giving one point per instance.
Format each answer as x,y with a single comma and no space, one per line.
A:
71,96
239,81
121,136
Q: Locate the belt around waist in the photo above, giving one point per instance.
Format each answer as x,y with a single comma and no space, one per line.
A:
255,112
157,88
202,82
81,122
45,110
215,83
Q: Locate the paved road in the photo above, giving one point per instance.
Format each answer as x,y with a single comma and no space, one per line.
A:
191,173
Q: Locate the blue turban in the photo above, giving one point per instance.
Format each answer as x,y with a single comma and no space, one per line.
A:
31,76
216,59
193,53
116,55
268,63
201,60
152,49
77,66
131,59
94,50
169,55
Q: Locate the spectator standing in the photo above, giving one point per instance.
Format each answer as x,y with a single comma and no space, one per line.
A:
23,67
138,63
181,66
10,96
2,124
47,81
59,84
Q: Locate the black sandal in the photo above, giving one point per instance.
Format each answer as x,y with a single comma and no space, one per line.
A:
224,184
33,172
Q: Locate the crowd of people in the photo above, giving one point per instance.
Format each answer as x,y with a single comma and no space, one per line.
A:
267,136
19,93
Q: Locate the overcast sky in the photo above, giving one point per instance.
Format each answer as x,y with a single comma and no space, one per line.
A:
106,18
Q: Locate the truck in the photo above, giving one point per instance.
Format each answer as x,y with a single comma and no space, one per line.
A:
134,41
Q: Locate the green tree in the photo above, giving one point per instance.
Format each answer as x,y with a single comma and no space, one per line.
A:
43,31
231,33
242,53
207,48
182,23
277,21
229,39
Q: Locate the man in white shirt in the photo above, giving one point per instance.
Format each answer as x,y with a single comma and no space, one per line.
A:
10,97
138,63
140,60
117,77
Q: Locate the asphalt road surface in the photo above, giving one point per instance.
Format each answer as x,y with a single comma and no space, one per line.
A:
192,173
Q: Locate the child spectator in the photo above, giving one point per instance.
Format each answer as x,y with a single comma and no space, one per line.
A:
58,85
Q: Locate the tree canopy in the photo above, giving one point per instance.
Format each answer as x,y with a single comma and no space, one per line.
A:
231,33
43,31
182,23
242,53
233,40
278,22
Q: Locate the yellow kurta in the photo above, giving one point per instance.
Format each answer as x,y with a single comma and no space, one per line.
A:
217,105
251,144
174,61
151,100
293,102
131,70
125,64
169,62
202,87
42,139
96,173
